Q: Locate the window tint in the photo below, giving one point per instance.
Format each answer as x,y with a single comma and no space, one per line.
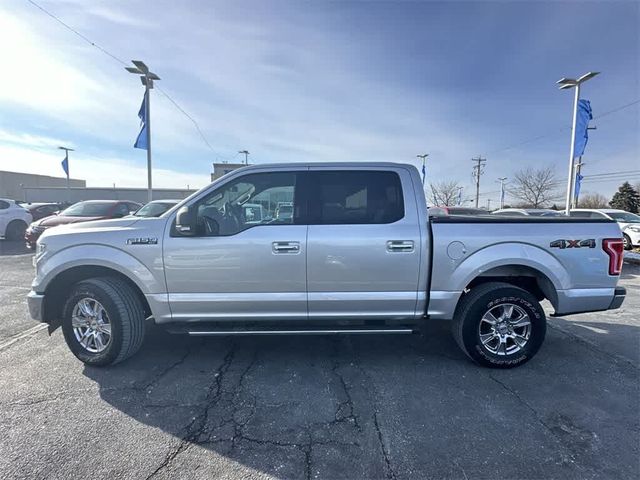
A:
251,200
121,210
362,197
3,205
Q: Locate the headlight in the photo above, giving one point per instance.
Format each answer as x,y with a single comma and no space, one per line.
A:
635,229
41,248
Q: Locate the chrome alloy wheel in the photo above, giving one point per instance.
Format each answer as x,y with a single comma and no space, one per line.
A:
91,326
505,329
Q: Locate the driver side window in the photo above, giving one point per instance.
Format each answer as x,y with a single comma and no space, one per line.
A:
249,201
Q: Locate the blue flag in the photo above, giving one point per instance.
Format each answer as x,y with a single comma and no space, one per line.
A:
582,122
424,174
65,165
142,141
578,183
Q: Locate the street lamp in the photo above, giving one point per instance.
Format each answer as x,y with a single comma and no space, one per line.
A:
246,156
565,84
146,77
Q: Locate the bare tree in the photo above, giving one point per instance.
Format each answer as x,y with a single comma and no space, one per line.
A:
444,193
593,200
535,187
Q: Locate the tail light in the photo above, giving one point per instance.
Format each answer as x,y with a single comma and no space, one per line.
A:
614,247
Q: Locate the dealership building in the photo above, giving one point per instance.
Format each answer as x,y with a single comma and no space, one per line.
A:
32,188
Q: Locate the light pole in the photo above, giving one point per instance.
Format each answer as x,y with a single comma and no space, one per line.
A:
566,83
502,180
424,166
146,77
246,156
66,170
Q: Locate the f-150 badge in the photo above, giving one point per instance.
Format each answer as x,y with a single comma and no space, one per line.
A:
142,241
589,243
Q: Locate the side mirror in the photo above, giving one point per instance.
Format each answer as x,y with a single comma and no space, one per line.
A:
186,222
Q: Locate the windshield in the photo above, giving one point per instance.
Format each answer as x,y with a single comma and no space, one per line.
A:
624,217
154,209
88,209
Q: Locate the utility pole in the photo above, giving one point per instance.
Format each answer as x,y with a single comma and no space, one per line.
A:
566,83
478,169
424,166
66,170
502,180
246,156
147,78
489,204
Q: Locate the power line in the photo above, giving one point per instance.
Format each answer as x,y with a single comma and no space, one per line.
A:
122,62
562,129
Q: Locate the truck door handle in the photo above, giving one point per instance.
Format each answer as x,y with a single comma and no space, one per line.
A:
400,246
285,247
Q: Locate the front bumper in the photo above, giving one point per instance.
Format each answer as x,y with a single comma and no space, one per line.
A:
618,297
35,301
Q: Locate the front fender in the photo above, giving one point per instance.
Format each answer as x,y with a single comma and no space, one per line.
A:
49,267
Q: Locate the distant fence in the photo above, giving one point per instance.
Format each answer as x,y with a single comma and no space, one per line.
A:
75,194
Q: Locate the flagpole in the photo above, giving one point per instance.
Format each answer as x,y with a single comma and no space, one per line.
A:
148,118
66,170
567,83
147,77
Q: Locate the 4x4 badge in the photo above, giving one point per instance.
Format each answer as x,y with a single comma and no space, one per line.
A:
589,243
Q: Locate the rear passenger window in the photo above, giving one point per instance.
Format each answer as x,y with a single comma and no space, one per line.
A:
360,197
3,205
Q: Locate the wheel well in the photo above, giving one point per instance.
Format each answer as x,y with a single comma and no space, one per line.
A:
58,289
527,278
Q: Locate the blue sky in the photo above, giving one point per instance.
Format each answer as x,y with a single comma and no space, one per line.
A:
318,81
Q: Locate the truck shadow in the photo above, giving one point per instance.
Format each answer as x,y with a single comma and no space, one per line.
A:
275,405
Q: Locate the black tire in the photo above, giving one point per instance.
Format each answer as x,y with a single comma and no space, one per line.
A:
627,242
480,300
125,313
15,230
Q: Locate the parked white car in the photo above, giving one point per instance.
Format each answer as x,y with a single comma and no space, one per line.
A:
629,222
13,220
533,212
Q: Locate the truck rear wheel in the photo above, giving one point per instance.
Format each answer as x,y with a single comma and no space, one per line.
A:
103,321
499,325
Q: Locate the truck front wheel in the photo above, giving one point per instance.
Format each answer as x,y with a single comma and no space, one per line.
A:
499,325
103,321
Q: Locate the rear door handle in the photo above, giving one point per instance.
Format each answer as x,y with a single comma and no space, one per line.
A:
400,246
285,247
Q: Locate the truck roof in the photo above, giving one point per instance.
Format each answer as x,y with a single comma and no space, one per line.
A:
327,164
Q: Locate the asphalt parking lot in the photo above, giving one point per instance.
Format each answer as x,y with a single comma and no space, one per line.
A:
319,407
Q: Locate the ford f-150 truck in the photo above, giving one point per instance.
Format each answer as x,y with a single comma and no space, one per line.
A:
358,254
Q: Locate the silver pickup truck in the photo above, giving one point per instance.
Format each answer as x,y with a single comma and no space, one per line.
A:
355,253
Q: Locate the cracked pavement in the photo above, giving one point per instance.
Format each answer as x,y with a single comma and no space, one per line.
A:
388,407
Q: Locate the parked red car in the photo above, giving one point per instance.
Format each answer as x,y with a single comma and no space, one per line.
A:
41,210
80,212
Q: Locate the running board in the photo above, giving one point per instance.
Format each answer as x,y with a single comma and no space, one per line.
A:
348,331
